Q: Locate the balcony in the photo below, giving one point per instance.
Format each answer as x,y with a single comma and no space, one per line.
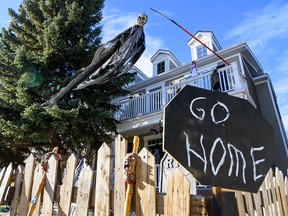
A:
154,101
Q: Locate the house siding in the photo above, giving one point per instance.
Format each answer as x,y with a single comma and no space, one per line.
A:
248,71
269,112
251,89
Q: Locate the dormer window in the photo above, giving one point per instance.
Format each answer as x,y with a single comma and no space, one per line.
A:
161,67
163,61
198,50
201,51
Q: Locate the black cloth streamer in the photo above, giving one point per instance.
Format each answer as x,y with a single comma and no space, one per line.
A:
111,60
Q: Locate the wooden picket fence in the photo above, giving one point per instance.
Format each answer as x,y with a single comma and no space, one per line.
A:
102,192
271,198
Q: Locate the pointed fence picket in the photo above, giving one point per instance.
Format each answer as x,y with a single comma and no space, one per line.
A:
145,184
27,185
119,186
2,172
282,193
50,186
84,189
107,195
36,181
178,195
67,188
271,199
5,182
16,197
102,189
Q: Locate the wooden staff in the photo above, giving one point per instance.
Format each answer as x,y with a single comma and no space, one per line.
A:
192,36
35,198
129,190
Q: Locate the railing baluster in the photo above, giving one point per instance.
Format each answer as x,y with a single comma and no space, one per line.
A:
156,100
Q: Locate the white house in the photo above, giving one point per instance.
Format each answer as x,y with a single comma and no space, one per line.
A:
141,111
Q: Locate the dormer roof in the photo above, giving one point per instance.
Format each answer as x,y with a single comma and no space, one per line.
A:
200,35
139,73
165,52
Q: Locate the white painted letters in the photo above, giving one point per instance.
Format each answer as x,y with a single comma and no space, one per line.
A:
221,162
199,109
188,149
237,164
256,162
212,110
234,153
213,116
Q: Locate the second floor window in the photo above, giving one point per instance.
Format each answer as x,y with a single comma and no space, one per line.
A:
201,51
160,67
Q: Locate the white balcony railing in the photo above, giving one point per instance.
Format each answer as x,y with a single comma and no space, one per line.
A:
155,101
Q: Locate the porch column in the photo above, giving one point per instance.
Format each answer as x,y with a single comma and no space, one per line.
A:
236,73
164,97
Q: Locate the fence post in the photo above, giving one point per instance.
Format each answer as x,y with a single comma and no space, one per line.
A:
38,173
119,185
84,189
102,189
269,200
50,186
27,185
240,203
145,184
2,172
16,197
266,198
257,202
178,195
67,187
5,182
280,183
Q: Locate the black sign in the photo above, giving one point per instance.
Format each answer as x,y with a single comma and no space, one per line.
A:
222,140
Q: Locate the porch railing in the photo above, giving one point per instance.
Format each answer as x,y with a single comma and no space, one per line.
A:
156,100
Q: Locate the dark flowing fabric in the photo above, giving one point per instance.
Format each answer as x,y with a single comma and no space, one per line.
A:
111,60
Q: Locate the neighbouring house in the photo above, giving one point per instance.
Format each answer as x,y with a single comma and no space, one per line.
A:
141,111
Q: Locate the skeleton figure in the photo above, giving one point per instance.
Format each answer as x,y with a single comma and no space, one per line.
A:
110,61
141,19
129,168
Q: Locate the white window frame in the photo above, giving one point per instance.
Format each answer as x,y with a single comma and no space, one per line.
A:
151,137
201,51
158,65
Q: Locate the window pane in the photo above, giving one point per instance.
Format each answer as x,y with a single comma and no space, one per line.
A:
160,67
201,51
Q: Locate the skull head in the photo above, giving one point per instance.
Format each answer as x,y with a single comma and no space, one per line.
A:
129,168
142,19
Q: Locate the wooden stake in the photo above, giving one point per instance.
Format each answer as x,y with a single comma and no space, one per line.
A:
129,190
34,199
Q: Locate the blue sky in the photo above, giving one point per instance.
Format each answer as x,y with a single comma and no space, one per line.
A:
262,24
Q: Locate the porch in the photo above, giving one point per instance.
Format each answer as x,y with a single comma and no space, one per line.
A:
151,101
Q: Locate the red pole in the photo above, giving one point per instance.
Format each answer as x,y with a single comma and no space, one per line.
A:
191,36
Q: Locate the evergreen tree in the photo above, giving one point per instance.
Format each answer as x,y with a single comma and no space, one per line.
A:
45,46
